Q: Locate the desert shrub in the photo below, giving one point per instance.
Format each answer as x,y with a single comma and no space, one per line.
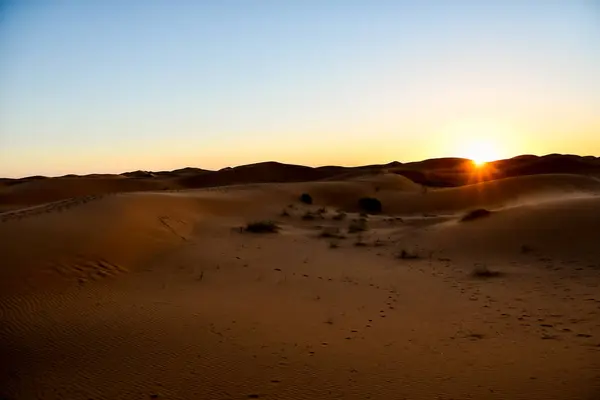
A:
407,255
526,249
370,205
360,241
357,225
285,213
308,216
483,272
306,198
475,214
339,216
331,232
262,227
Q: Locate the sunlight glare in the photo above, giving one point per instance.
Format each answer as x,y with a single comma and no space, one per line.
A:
481,151
480,140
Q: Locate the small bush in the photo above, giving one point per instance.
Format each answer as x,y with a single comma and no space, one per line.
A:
357,225
526,249
370,205
483,272
306,198
476,214
308,216
262,227
285,213
331,232
339,216
407,255
359,241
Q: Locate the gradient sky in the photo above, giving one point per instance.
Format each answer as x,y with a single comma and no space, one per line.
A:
111,86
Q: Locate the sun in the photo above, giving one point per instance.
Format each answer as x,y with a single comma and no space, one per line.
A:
480,140
480,151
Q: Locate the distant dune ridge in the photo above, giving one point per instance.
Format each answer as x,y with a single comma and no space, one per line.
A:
481,284
441,172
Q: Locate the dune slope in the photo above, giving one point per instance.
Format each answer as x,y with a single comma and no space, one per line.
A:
160,295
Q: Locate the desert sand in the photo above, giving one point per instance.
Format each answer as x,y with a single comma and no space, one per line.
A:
123,288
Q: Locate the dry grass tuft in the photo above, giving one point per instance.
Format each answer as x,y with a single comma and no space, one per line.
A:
476,214
339,216
526,249
332,232
482,271
358,225
309,216
262,227
408,255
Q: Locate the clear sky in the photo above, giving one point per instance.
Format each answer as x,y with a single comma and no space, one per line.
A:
116,85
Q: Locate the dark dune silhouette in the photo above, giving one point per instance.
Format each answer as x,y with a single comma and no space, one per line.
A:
438,172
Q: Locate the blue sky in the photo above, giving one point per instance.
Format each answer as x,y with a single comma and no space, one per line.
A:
109,86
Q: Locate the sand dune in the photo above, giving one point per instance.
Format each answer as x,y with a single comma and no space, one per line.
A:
497,193
157,294
441,172
86,239
401,196
49,190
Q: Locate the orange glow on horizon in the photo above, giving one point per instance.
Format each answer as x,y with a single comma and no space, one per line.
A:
481,171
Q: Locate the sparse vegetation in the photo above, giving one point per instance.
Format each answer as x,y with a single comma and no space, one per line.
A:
408,255
370,205
285,213
334,245
393,220
359,241
331,232
357,225
526,249
262,227
306,198
309,216
476,214
483,272
339,216
475,336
